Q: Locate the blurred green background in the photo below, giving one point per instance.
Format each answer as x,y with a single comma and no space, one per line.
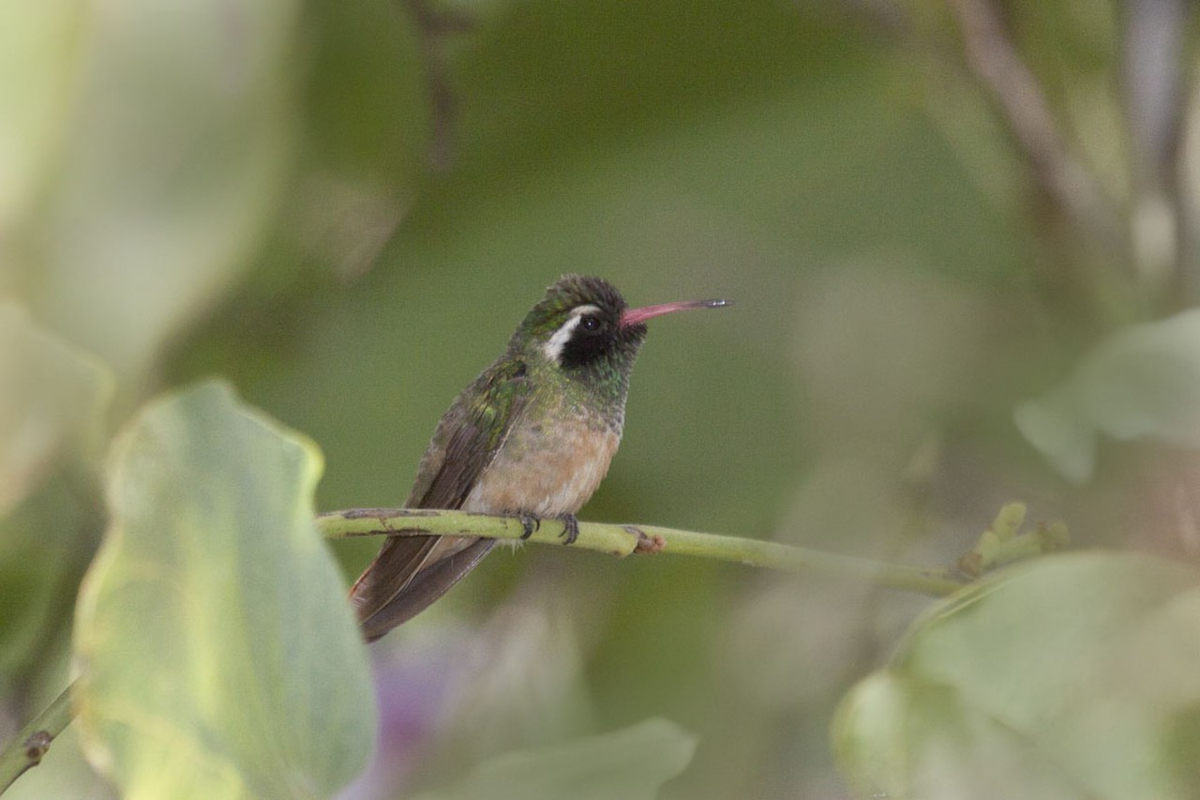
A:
346,207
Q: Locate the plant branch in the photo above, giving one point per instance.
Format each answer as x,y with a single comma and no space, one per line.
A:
1154,53
1003,543
433,25
31,742
622,540
994,60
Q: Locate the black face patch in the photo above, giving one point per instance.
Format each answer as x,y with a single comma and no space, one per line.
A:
592,337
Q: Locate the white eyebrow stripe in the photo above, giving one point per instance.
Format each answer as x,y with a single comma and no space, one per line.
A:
553,348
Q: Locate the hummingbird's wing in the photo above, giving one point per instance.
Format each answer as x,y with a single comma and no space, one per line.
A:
411,572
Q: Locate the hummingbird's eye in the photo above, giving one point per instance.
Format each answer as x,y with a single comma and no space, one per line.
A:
589,324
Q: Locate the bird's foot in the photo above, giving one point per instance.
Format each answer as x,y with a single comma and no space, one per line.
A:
570,527
529,524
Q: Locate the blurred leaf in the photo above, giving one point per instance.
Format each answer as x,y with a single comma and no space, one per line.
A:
1071,676
39,45
41,559
1142,383
170,163
219,656
53,398
630,764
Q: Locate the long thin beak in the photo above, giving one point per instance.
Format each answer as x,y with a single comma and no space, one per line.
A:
634,316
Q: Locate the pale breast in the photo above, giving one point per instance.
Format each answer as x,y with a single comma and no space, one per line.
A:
545,471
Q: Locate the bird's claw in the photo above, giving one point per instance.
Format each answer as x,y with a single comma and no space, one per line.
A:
570,528
529,524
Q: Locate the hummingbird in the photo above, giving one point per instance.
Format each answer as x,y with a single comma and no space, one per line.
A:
531,437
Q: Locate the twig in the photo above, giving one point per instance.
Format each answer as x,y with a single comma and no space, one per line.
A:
433,25
28,747
623,540
1158,85
998,66
31,742
1152,66
1003,543
1153,59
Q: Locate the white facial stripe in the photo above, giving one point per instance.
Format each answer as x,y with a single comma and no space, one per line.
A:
558,341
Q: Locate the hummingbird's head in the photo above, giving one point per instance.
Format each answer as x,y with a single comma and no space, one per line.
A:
584,327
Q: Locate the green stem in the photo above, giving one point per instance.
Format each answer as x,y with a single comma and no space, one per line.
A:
622,540
28,747
31,742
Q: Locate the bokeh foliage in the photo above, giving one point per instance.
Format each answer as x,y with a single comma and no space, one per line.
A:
1103,665
344,209
200,675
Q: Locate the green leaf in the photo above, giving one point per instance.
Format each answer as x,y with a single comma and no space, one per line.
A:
1071,676
630,764
53,398
218,655
170,156
53,402
39,44
44,545
1142,383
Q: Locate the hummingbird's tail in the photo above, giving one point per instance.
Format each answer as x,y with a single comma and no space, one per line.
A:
408,575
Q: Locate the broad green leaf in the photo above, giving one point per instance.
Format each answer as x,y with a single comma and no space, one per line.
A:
170,160
218,655
629,764
1068,677
53,400
1142,383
